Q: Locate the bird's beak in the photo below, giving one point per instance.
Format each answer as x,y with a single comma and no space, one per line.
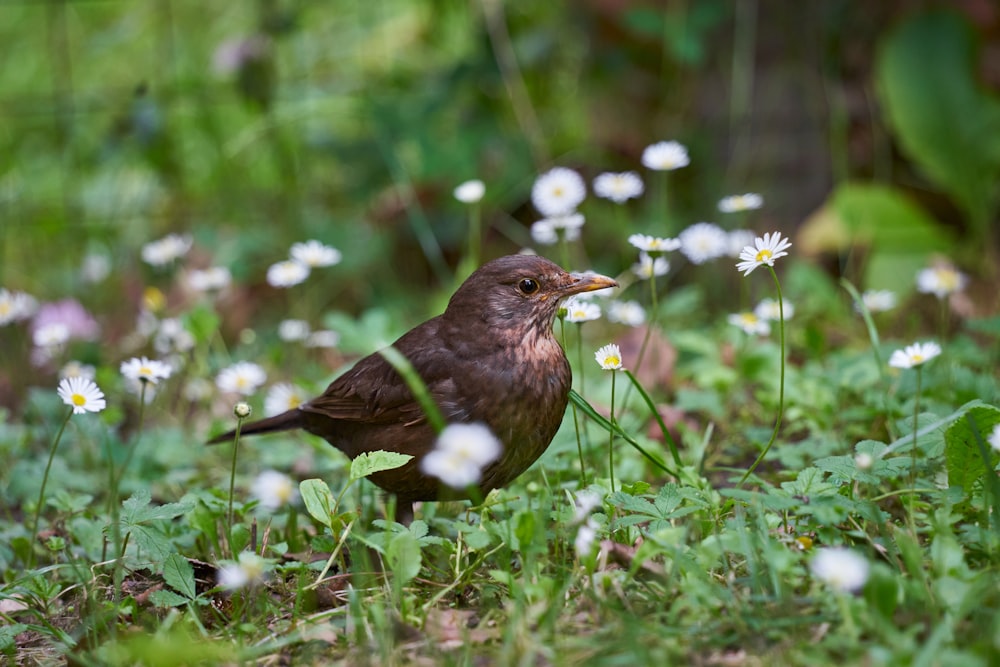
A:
587,282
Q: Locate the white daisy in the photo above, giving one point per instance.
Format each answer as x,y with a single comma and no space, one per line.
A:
166,250
141,369
16,306
287,273
461,453
609,357
470,192
248,570
242,377
768,309
283,397
994,438
81,394
703,241
665,156
765,250
649,267
651,244
619,188
877,301
274,490
750,323
941,280
50,335
293,330
543,233
558,192
581,310
95,267
586,534
314,254
323,338
914,355
172,336
864,460
747,202
629,313
77,369
840,568
736,240
211,279
547,231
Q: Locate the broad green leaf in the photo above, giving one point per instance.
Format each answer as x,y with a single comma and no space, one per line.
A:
318,499
372,462
179,575
963,458
944,119
900,234
165,598
404,556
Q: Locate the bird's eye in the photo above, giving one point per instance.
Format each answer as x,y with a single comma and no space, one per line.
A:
528,286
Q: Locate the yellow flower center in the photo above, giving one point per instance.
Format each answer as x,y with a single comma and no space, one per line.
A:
5,307
917,358
241,382
763,255
79,400
145,371
557,192
948,278
612,361
294,401
749,318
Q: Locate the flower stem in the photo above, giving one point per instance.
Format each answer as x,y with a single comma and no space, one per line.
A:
781,386
576,423
41,490
611,436
232,475
913,455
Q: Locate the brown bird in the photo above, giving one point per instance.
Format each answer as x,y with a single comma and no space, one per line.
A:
490,358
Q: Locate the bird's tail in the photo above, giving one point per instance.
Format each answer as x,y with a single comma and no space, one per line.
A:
283,422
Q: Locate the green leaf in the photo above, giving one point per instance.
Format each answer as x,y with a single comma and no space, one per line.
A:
404,557
318,499
899,233
963,458
944,119
369,463
179,575
165,598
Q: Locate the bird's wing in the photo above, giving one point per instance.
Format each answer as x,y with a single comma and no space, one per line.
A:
373,391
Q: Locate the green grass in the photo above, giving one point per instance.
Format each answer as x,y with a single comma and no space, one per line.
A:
374,114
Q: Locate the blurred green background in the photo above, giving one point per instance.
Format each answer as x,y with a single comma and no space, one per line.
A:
872,129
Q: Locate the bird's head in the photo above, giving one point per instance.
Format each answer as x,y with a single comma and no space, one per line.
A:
519,290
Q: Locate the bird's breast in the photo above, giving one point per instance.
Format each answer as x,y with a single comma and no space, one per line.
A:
521,393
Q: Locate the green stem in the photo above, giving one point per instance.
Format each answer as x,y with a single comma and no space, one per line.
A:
669,439
611,436
874,338
913,456
417,386
41,490
232,478
576,421
781,387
